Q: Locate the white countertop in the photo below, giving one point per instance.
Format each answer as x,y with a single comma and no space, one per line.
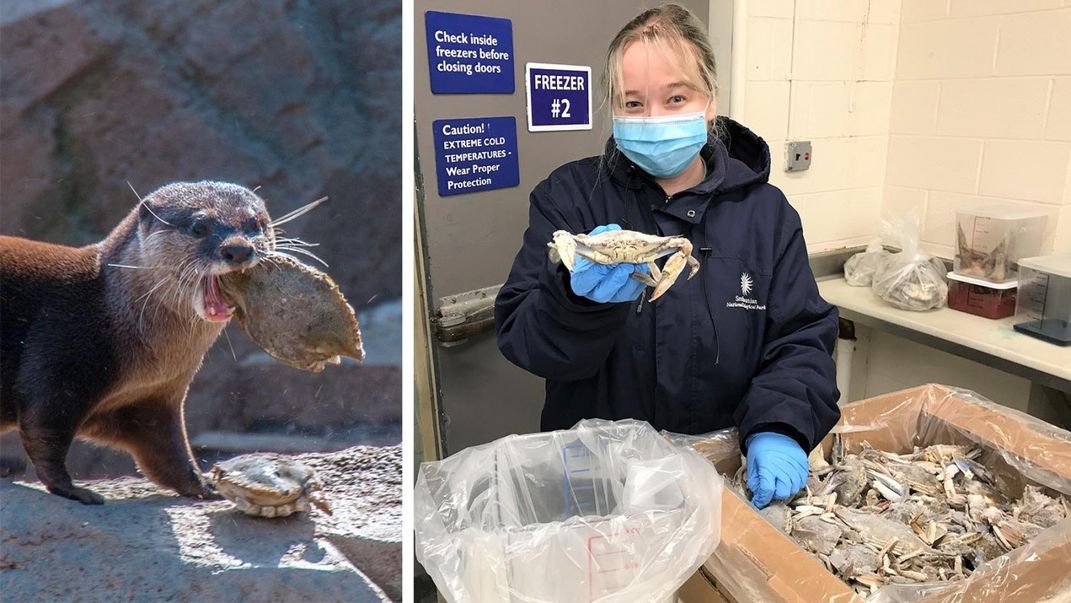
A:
985,337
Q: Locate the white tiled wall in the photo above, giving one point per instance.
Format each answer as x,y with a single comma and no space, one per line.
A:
981,111
938,103
915,106
824,73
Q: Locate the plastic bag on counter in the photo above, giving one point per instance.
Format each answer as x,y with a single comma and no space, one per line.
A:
860,268
1019,449
910,279
606,511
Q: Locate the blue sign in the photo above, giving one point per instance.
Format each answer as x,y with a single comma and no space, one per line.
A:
476,154
469,54
559,97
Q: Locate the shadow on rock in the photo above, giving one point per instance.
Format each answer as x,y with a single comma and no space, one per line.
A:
265,542
145,544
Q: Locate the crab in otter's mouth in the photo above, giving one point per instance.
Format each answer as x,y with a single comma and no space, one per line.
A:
294,312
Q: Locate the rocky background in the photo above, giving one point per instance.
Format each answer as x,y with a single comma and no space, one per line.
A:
299,97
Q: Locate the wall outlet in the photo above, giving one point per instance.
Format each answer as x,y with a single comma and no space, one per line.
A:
797,155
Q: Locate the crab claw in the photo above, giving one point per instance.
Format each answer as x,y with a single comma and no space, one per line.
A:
314,494
670,271
694,264
563,249
321,504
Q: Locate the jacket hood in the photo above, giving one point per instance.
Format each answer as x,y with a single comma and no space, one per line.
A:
736,158
748,153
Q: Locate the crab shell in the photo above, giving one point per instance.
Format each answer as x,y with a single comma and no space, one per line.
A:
267,485
294,312
614,247
627,246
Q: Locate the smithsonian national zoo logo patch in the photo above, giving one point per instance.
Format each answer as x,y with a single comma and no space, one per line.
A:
745,283
742,300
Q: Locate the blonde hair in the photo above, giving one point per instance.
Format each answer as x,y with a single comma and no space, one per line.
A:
676,32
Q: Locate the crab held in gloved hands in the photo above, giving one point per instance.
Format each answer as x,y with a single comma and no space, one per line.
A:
627,246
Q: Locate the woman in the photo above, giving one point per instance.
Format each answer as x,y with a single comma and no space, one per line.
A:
748,342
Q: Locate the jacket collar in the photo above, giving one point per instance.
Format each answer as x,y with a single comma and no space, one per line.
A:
736,159
689,205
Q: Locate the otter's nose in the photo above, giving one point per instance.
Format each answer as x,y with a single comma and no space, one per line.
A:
236,253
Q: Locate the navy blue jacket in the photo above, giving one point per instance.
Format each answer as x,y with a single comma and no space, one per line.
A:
747,342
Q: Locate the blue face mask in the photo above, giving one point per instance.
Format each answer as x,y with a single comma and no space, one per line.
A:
661,146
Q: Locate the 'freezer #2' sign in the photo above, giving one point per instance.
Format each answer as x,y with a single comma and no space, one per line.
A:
475,154
469,54
559,97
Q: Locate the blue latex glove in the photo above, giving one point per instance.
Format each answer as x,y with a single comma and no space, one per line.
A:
606,283
776,467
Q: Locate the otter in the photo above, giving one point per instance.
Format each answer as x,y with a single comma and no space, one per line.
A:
101,342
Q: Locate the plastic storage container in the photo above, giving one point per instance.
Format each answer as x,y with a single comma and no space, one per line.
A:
1043,309
607,512
990,240
980,297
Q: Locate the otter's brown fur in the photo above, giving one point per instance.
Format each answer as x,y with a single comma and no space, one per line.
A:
102,341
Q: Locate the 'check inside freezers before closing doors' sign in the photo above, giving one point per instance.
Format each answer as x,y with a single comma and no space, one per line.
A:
469,54
559,97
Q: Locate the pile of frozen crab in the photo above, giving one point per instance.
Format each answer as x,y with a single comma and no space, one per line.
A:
936,514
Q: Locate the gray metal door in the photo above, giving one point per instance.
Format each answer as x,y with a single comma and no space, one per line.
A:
469,240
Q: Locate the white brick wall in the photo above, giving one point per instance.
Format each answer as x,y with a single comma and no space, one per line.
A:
936,102
917,107
825,75
981,111
1058,126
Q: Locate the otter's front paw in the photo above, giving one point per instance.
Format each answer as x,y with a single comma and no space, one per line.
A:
206,492
82,495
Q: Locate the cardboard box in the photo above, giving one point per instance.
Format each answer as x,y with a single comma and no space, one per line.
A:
700,587
757,562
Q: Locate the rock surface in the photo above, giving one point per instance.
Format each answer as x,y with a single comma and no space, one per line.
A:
300,98
145,544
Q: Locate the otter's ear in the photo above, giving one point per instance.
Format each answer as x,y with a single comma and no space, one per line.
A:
147,215
144,223
147,218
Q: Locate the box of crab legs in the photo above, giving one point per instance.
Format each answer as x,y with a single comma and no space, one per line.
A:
932,494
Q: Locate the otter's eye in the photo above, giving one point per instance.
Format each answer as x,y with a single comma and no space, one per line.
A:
252,225
198,229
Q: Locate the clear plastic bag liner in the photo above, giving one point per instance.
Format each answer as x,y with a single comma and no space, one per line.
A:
860,268
911,279
1022,450
606,511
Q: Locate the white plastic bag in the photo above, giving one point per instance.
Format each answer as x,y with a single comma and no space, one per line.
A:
606,511
911,279
860,268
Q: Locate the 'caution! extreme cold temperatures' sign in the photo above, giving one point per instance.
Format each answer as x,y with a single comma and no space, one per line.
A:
475,154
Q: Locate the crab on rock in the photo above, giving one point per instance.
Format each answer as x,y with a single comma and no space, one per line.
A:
268,485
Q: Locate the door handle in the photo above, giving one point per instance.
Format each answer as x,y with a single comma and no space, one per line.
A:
463,315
